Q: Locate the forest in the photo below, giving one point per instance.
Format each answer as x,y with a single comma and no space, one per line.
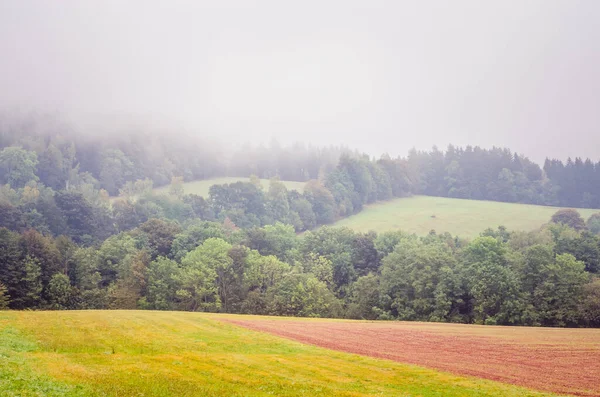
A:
82,228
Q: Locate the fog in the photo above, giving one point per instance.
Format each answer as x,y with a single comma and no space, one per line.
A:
372,75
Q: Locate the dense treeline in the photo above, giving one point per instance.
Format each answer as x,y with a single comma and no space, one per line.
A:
577,182
59,182
87,214
65,243
62,183
61,157
546,277
500,175
82,209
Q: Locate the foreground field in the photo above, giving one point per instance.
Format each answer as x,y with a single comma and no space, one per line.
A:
129,353
201,187
552,359
465,218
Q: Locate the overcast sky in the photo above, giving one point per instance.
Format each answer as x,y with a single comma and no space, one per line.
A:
380,76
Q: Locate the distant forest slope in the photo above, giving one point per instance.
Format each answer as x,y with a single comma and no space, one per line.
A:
201,187
65,245
465,218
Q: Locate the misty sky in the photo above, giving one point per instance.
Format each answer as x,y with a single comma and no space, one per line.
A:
380,76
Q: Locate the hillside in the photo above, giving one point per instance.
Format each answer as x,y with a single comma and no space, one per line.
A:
132,353
201,187
465,218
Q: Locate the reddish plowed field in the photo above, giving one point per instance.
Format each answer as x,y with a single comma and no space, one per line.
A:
557,360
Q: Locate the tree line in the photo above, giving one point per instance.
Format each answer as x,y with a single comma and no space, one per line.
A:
547,277
501,175
58,156
68,241
84,211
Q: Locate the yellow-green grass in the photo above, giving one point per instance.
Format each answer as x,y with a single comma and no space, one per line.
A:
201,187
133,353
465,218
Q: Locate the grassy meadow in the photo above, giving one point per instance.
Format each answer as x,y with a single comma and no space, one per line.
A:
465,218
201,187
135,353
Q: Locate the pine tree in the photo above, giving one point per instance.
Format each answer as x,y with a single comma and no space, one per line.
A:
4,298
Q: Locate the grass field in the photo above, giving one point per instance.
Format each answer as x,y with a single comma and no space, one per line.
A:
201,187
551,359
133,353
465,218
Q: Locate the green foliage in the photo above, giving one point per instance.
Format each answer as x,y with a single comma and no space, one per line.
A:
31,283
278,204
163,284
176,187
129,290
569,217
593,223
18,166
303,295
322,202
79,215
161,235
243,202
11,267
382,184
114,257
320,267
134,190
126,215
198,277
492,282
557,296
335,244
365,301
260,275
116,169
358,171
535,278
200,206
584,246
476,173
306,216
59,292
263,272
386,242
415,281
365,257
279,240
54,166
238,251
589,306
4,297
193,236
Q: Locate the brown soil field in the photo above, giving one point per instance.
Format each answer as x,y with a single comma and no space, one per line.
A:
565,361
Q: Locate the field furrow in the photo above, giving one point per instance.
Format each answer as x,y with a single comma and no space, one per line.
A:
557,360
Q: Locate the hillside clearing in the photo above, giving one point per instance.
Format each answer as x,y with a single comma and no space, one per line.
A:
465,218
551,359
133,353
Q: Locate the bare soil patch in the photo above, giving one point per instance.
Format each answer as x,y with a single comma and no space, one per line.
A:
550,359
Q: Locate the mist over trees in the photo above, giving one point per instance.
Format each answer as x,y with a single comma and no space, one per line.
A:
44,150
81,227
